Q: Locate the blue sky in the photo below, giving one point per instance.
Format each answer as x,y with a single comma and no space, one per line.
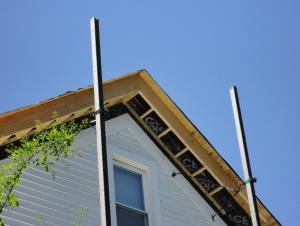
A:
195,50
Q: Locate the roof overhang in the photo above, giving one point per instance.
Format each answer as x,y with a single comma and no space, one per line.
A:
28,120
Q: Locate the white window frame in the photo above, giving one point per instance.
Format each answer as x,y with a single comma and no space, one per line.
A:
140,172
147,169
156,161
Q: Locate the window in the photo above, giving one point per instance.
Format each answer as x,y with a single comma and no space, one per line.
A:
129,197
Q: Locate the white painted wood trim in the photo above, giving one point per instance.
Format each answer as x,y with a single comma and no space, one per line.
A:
148,170
125,123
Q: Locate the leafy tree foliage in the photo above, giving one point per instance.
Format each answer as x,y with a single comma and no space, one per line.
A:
42,149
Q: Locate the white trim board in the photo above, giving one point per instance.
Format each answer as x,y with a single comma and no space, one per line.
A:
128,142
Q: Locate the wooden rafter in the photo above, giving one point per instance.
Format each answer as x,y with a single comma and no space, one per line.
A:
21,122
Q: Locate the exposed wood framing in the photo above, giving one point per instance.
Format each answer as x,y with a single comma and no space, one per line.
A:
164,133
146,113
215,191
198,171
21,122
181,152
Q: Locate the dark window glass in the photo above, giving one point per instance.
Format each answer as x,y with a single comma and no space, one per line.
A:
139,105
128,188
154,122
129,198
126,217
172,142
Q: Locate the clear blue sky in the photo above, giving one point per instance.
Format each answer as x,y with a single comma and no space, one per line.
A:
195,50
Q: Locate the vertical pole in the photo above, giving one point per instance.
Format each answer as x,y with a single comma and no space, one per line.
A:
244,156
100,125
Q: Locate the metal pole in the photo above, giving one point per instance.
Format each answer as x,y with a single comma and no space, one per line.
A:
100,125
244,156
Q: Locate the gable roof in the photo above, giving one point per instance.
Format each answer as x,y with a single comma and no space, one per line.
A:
161,119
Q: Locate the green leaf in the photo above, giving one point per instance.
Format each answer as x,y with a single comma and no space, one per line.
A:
38,149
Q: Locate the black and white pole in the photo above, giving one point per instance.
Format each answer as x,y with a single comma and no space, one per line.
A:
244,156
100,125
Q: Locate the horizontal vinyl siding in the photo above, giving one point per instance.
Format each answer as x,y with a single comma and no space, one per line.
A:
58,199
178,207
76,184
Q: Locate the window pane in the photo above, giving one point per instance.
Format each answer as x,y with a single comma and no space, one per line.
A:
126,217
128,188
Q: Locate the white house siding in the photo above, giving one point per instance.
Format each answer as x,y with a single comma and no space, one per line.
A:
58,201
179,203
174,201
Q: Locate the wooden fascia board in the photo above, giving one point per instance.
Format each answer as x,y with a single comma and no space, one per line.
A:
23,120
198,144
161,103
43,112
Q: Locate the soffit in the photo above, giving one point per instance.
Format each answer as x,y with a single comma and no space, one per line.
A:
25,121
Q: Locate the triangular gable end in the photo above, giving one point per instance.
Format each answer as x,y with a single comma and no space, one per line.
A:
164,123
